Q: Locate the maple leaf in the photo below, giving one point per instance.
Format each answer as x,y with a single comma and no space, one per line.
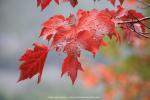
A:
33,62
84,31
71,66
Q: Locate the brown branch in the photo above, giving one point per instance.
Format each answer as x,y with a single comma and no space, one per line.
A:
134,21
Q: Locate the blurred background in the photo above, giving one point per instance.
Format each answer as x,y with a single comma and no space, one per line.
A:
20,24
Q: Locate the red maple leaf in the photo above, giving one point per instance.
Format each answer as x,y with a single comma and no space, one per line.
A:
74,33
33,61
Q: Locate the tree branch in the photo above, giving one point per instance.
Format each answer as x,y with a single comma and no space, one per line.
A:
134,21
